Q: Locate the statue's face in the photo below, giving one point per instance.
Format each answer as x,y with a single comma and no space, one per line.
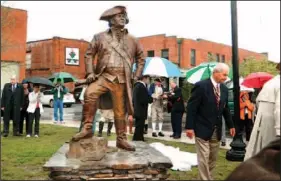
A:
119,20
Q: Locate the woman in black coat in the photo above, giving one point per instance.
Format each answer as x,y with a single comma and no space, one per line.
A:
23,112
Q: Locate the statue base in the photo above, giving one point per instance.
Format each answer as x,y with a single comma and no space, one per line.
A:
97,159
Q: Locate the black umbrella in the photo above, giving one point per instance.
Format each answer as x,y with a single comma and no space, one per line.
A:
39,80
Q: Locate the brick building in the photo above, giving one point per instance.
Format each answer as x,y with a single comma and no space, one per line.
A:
44,57
188,53
13,43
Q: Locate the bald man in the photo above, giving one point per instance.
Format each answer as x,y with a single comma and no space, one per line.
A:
206,106
11,103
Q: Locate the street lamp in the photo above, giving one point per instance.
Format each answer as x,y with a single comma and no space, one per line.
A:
237,151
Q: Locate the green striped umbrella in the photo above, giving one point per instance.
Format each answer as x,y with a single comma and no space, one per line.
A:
64,76
202,72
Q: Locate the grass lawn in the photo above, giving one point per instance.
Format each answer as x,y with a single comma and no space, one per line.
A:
22,158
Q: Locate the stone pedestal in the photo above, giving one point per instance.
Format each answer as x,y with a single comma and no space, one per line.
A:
88,149
146,163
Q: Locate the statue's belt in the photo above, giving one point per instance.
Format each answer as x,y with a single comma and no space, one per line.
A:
126,58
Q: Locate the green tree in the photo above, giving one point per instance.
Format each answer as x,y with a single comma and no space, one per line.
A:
251,65
186,90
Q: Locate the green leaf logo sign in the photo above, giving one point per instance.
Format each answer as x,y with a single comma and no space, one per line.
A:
72,54
72,60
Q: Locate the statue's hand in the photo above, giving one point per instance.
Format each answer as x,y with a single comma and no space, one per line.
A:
91,78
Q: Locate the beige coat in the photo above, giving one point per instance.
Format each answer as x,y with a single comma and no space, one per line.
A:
267,123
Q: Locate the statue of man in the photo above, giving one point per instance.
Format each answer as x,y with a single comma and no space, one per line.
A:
116,50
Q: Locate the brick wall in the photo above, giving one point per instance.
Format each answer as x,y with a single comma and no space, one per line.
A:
202,47
13,37
48,56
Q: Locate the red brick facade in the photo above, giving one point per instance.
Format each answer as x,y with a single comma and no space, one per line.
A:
48,56
202,47
13,37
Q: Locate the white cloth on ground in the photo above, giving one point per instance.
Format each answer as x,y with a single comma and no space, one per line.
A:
182,161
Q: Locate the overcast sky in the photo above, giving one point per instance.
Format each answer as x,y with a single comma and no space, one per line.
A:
258,22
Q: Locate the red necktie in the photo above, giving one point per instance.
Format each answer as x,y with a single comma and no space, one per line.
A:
217,94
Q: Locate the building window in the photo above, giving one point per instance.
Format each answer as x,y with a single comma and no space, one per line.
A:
28,60
165,53
192,57
150,53
223,58
210,56
218,57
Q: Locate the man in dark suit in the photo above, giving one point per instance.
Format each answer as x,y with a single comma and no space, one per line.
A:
141,99
206,106
177,110
11,104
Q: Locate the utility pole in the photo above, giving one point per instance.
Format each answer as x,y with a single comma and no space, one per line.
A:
237,151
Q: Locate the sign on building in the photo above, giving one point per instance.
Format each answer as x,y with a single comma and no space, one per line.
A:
72,56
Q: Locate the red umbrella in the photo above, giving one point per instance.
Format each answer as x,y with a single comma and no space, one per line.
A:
256,80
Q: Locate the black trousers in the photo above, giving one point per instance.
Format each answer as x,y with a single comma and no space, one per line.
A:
23,116
139,128
34,116
10,113
176,119
247,124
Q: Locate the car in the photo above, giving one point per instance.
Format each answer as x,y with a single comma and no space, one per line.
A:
68,99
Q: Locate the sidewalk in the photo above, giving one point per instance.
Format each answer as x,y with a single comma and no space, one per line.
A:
183,139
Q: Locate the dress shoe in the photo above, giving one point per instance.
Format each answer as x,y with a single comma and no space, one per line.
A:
177,137
154,134
223,143
161,134
172,135
5,135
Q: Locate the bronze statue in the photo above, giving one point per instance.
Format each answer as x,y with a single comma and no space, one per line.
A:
116,50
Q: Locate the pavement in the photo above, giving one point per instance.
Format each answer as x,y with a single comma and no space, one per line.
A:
184,138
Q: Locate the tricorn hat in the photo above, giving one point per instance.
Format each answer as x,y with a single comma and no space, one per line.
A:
108,14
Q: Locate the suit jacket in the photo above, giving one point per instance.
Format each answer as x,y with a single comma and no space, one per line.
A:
18,96
177,101
202,112
141,99
101,45
33,102
7,95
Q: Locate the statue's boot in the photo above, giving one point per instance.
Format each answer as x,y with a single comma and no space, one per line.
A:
88,114
121,140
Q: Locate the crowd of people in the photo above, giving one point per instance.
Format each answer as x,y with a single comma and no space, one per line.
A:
22,103
207,114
